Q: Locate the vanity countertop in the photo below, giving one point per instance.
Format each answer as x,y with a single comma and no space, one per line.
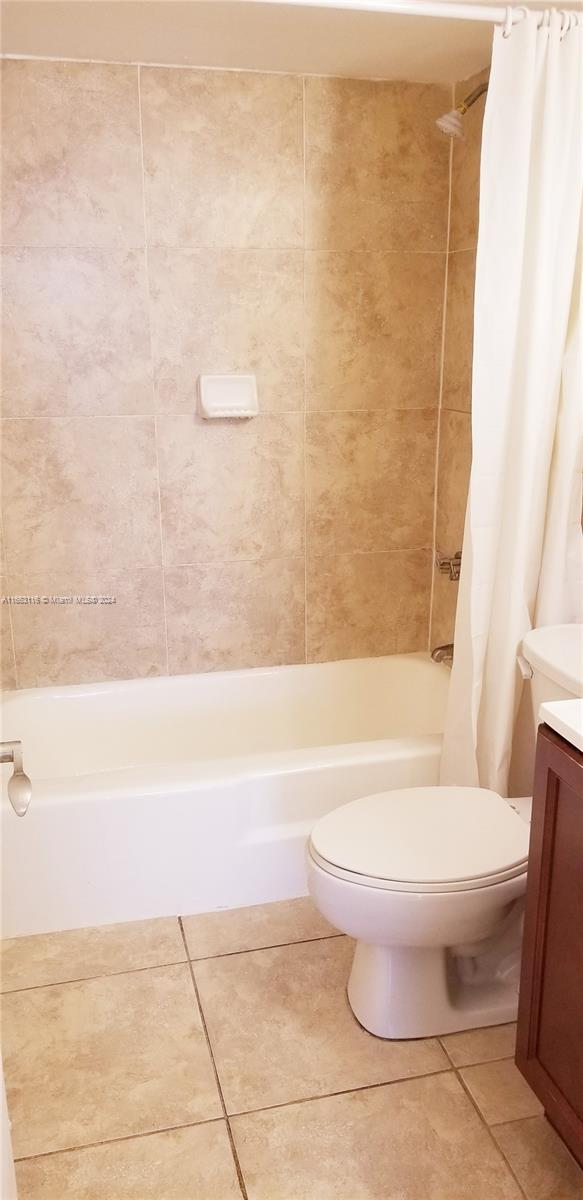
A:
566,718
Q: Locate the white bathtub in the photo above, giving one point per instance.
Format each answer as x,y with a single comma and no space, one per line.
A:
179,795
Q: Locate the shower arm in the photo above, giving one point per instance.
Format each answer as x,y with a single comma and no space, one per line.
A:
473,96
451,122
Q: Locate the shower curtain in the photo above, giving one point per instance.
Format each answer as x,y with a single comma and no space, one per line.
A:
522,560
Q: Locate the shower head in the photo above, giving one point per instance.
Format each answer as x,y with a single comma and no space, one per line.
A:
451,123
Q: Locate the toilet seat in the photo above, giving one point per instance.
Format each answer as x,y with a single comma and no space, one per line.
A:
430,839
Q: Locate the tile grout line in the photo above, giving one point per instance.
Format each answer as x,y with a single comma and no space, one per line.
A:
441,384
349,1091
175,962
488,1127
463,249
5,575
521,1120
162,564
482,1062
379,411
8,56
113,1141
473,1102
201,248
226,562
305,342
151,345
324,937
35,987
449,1070
237,1164
248,1112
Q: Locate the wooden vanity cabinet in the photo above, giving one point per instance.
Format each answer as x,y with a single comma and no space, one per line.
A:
549,1050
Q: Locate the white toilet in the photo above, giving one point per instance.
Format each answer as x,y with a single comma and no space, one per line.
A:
430,881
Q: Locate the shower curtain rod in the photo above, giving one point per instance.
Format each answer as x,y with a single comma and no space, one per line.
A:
490,13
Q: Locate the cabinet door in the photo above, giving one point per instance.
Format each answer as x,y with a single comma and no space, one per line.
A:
550,1021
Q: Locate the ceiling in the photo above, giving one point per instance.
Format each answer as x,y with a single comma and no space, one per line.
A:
251,35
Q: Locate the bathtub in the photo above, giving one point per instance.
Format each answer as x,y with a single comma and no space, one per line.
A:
185,794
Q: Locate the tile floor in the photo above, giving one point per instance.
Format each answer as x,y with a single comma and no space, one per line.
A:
216,1058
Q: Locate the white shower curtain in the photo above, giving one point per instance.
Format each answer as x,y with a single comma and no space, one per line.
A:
522,551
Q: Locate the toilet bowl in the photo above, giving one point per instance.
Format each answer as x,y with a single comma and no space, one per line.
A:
430,882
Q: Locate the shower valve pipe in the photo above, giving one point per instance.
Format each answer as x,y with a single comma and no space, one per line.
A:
19,785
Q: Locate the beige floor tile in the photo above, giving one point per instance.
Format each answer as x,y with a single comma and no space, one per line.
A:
540,1160
209,934
177,1165
105,1058
480,1045
500,1092
416,1140
288,1032
82,953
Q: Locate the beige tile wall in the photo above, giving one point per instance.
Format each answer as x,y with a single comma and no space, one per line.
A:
455,449
160,223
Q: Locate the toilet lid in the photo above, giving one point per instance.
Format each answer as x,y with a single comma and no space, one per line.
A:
425,837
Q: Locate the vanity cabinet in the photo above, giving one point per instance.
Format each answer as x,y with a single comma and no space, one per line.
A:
550,1019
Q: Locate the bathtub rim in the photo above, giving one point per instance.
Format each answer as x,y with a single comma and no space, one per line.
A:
160,778
158,682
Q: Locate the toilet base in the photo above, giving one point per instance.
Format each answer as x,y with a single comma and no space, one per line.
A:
412,992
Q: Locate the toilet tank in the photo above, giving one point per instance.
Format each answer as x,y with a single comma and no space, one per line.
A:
554,654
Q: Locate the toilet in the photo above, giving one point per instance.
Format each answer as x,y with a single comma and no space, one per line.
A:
430,882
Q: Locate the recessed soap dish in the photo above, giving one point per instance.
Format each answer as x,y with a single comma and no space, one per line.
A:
223,396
